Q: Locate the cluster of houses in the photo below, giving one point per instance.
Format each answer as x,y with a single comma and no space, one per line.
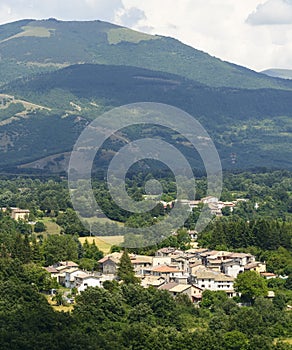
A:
213,203
69,275
179,272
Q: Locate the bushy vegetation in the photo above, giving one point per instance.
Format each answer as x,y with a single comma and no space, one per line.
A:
128,316
124,315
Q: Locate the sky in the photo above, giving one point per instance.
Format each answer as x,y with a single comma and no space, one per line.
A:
253,33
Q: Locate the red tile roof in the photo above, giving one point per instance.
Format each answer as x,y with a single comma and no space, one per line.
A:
165,269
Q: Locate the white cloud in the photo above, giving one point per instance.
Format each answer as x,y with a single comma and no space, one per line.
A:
219,28
11,10
130,17
272,12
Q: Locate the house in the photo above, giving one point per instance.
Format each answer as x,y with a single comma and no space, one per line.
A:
212,255
243,258
109,263
163,252
268,275
194,267
181,262
62,267
161,260
196,293
70,274
141,262
84,280
68,264
176,289
182,279
205,278
166,204
232,267
209,199
167,272
17,213
214,264
53,272
155,281
256,266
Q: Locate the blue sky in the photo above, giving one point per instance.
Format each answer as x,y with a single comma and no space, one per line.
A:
253,33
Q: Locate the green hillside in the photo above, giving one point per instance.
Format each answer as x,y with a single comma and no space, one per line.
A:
255,125
56,76
28,47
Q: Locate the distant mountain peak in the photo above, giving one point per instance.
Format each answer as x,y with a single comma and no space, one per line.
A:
278,73
31,45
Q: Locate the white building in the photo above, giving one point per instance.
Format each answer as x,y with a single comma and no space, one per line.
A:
70,276
232,268
83,281
216,281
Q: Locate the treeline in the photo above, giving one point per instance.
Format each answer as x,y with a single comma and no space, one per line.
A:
271,190
269,240
237,233
19,242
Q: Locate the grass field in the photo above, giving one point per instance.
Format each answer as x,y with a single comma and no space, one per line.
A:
52,227
41,32
103,243
60,308
102,221
117,35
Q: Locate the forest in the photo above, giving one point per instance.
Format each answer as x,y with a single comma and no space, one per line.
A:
123,315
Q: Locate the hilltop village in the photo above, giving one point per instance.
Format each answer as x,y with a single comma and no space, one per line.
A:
187,272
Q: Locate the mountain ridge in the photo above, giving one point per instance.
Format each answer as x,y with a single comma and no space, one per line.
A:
59,42
76,71
278,73
241,121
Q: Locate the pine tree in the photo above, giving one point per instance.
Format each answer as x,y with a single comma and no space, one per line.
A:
26,250
36,255
126,270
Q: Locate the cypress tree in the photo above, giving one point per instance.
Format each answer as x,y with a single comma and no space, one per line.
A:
126,270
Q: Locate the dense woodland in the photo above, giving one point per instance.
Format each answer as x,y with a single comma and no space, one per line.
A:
82,92
124,315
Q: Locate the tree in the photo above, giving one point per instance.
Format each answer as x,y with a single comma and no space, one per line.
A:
39,227
126,270
235,340
91,251
288,283
59,298
88,264
251,285
57,248
39,277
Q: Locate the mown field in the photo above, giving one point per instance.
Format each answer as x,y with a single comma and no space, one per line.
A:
103,243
